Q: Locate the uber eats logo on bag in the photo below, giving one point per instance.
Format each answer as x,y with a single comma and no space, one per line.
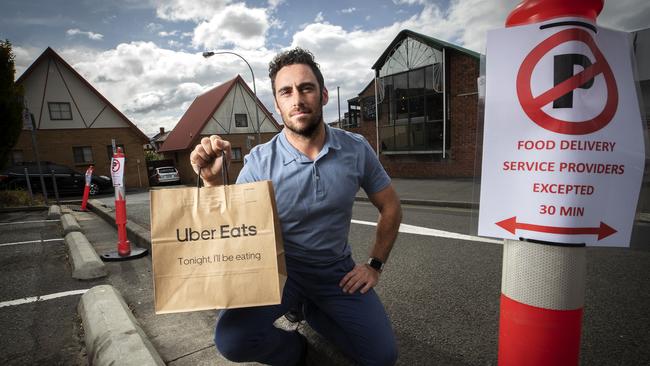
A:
224,232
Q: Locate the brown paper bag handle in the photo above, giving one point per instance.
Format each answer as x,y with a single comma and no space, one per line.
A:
224,172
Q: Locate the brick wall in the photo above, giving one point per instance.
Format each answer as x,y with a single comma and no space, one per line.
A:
56,146
461,74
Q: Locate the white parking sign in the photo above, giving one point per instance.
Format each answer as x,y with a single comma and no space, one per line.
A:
563,151
117,172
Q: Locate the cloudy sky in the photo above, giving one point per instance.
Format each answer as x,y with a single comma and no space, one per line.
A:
145,55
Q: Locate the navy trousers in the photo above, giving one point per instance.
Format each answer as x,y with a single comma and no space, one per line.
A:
356,323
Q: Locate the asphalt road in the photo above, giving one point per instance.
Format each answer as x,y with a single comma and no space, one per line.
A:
33,262
442,294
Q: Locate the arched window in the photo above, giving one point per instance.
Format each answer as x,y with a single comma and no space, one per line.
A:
411,100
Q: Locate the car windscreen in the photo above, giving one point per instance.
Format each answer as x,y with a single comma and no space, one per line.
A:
166,170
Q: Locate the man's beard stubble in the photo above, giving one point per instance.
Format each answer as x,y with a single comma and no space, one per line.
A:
310,127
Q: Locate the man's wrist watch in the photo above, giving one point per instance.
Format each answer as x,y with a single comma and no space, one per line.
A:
375,264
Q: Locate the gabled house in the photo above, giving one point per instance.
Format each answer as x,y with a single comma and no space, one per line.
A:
422,119
229,110
159,139
75,124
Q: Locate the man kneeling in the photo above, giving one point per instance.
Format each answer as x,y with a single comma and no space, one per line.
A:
316,172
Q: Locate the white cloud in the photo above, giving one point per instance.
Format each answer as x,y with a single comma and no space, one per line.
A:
235,25
167,34
319,17
154,27
410,2
627,15
90,35
471,19
348,10
275,3
150,101
195,10
23,57
174,44
276,23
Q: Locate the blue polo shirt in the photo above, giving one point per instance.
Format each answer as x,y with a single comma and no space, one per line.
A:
314,198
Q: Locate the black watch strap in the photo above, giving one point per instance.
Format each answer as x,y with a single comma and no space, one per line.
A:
376,264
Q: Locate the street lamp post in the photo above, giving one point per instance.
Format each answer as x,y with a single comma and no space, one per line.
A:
257,112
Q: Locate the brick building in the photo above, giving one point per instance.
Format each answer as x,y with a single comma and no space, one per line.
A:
75,124
425,108
229,110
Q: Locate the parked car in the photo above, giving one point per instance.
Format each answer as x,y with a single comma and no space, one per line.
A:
165,175
68,180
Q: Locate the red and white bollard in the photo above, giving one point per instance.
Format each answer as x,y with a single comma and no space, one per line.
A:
543,284
124,250
89,175
542,296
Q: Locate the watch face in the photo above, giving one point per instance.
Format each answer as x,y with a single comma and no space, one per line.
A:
376,264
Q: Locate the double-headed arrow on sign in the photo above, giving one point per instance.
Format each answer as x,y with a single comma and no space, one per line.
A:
602,231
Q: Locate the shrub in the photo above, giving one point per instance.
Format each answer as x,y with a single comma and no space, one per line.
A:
16,198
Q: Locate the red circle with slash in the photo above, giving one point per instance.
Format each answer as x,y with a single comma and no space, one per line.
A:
116,165
532,106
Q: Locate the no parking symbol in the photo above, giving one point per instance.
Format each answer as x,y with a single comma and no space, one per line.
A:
533,105
116,166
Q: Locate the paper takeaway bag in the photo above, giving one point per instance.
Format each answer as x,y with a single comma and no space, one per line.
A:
216,248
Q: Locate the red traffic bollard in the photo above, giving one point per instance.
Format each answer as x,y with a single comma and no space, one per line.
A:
89,175
124,250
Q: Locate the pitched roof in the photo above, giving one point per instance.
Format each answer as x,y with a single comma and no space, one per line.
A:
429,41
187,131
160,137
49,52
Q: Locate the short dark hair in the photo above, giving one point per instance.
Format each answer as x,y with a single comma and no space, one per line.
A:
292,57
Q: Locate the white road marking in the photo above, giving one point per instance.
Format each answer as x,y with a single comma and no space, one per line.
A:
31,242
28,300
419,230
26,222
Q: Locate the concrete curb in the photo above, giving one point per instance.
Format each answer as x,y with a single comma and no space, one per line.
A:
69,223
86,264
138,235
54,212
112,334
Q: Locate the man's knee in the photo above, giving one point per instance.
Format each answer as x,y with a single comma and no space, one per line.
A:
382,353
230,347
387,356
232,342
